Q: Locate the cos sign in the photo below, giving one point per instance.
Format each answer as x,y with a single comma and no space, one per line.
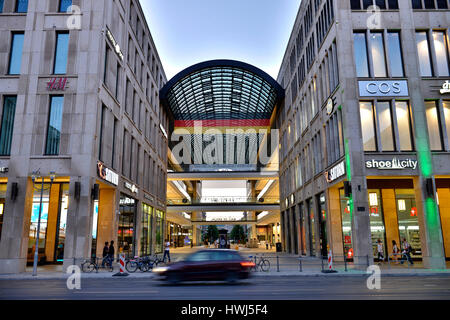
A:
383,88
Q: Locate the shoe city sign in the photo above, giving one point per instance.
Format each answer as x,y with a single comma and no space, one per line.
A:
107,174
445,87
394,164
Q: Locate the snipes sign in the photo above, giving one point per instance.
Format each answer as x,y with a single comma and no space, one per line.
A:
107,174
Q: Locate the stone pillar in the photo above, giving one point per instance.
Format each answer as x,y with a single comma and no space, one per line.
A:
106,218
390,219
430,227
292,226
335,224
79,224
52,228
16,227
444,208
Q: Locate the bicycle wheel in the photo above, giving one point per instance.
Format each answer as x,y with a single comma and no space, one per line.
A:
85,267
265,265
143,267
131,266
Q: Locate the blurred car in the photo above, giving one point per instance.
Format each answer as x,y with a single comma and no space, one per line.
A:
207,265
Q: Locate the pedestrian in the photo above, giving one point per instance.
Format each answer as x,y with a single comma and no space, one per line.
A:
395,251
105,254
407,251
111,252
167,250
380,251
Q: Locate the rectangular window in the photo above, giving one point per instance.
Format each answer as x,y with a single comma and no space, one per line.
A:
385,125
362,65
15,60
442,4
64,5
54,125
61,53
417,4
21,6
429,4
113,153
102,133
1,5
378,57
441,51
395,54
423,49
433,123
404,125
7,125
367,126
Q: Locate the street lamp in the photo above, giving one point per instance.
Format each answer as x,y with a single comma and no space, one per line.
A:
34,177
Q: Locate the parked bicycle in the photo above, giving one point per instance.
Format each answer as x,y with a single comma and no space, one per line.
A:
262,264
96,264
144,264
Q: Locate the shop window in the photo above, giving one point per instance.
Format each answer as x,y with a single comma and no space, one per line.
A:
368,126
385,123
2,205
127,210
312,228
346,216
36,211
146,232
7,124
159,232
54,125
62,222
408,222
404,125
433,123
442,54
377,228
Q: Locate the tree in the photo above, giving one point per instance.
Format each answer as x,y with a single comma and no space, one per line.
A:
212,233
238,233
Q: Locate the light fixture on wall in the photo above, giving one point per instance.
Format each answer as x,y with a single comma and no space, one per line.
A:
401,205
373,199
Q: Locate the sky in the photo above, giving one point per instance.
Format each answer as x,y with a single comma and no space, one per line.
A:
187,32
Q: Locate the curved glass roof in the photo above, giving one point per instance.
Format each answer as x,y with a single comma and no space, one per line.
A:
221,90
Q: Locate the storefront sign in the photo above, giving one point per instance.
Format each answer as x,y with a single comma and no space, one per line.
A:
131,187
445,87
4,170
57,84
394,164
335,172
149,198
107,174
114,43
383,88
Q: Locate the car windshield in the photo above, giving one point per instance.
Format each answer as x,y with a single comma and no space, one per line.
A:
199,256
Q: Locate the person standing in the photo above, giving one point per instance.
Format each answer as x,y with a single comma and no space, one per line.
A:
407,251
380,251
105,254
111,252
395,251
167,250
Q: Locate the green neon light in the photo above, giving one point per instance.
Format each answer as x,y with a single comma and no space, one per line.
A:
349,175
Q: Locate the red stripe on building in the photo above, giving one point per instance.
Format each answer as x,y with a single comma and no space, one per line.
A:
223,123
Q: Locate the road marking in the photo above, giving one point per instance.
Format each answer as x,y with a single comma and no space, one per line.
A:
115,292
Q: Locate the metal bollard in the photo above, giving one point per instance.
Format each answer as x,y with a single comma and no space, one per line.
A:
321,260
345,263
367,260
278,264
300,264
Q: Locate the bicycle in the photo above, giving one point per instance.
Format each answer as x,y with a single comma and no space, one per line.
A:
133,264
263,265
88,266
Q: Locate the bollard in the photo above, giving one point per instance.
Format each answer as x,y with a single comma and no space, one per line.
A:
121,272
345,263
300,264
368,261
278,264
330,264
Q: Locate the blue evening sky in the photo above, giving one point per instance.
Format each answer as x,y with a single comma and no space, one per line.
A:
187,32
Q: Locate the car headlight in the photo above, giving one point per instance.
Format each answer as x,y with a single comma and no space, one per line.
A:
160,269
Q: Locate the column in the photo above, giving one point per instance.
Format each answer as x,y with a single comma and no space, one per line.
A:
106,218
390,219
292,226
335,224
52,228
16,227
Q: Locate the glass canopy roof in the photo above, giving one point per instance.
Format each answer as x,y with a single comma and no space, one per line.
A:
221,90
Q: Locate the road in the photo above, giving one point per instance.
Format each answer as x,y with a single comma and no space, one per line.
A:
267,288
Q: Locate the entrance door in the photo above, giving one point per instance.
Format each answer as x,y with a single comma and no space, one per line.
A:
323,225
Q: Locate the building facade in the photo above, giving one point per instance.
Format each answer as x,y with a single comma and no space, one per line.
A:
79,86
365,130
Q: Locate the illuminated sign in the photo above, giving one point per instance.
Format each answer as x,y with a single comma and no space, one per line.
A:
114,43
335,172
107,174
445,87
394,164
383,88
131,187
57,84
4,170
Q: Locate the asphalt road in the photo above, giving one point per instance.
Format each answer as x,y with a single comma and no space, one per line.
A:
267,288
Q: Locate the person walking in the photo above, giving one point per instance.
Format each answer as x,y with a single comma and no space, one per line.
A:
407,251
105,254
111,252
380,251
167,250
395,251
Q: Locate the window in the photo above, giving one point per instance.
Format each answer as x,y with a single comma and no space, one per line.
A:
367,126
433,123
429,4
378,57
404,125
54,125
424,54
441,50
64,5
361,59
1,5
385,123
446,105
15,60
102,133
21,6
7,124
382,4
61,53
395,54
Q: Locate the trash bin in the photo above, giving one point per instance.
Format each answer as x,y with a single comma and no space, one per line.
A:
279,248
